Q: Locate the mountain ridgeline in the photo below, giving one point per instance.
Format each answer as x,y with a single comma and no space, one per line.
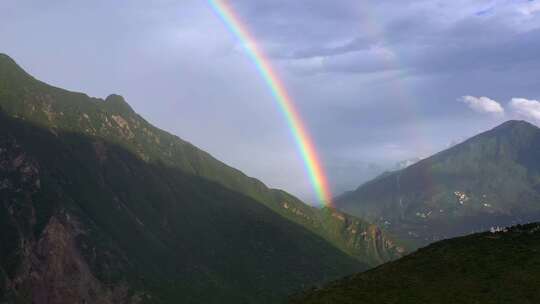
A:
99,206
492,179
80,215
488,268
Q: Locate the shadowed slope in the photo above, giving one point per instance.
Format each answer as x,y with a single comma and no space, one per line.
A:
83,219
485,268
114,121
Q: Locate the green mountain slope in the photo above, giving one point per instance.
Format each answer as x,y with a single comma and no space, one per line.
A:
487,268
489,180
113,120
79,208
100,206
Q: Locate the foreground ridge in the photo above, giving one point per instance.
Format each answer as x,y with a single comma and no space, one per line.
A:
492,267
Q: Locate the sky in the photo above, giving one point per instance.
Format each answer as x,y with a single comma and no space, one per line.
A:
376,82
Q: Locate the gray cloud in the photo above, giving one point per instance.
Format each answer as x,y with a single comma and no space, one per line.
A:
426,41
375,81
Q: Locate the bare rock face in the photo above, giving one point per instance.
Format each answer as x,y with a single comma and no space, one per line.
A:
48,268
18,173
19,181
56,272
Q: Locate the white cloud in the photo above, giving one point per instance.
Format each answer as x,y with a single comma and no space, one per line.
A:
530,8
529,109
482,104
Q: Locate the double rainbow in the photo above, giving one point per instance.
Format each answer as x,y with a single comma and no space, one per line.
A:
298,130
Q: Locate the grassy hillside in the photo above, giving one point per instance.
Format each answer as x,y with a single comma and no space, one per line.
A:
491,179
485,268
79,212
114,121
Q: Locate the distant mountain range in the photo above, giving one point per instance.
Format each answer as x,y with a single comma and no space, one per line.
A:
99,206
492,179
498,267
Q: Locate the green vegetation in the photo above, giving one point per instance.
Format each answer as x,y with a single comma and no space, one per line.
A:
492,179
121,203
113,120
166,233
502,267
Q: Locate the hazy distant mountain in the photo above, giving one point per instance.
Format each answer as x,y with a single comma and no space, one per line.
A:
99,206
346,175
491,179
406,163
502,267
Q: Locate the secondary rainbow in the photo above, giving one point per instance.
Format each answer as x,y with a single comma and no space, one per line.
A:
298,130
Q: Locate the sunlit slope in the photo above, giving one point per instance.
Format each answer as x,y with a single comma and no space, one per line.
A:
491,179
86,220
113,120
485,268
99,205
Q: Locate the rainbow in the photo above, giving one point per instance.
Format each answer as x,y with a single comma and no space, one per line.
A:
301,136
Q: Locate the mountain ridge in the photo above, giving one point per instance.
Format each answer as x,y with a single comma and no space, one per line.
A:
501,266
109,134
57,109
490,179
86,220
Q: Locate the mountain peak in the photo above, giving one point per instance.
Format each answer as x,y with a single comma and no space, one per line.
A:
12,73
6,61
9,68
516,131
512,124
5,57
118,104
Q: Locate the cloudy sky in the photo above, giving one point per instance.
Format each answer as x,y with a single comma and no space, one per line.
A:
376,82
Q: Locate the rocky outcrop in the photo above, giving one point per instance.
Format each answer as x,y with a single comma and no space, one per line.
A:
366,240
56,272
46,267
